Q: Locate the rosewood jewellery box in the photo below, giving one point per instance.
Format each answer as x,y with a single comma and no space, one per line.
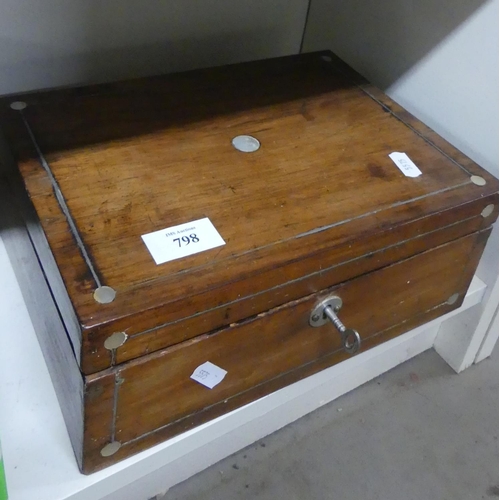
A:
189,243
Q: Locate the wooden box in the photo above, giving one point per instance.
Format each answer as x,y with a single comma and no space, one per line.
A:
309,208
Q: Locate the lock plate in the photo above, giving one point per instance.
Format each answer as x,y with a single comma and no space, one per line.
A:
318,316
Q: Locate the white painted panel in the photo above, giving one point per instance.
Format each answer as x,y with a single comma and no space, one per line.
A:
490,339
461,338
59,42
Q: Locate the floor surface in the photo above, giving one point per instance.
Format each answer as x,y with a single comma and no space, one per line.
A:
418,432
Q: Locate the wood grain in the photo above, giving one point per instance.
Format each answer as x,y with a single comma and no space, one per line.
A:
134,157
157,396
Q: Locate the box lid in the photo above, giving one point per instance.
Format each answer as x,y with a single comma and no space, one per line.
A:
106,164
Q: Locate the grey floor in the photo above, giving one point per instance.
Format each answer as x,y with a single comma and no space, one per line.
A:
418,432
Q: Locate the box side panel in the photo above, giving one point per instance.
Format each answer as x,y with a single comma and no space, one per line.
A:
47,321
17,200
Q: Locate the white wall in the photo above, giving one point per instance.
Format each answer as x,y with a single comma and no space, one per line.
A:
59,42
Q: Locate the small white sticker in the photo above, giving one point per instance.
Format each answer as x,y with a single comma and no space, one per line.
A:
180,241
404,164
208,375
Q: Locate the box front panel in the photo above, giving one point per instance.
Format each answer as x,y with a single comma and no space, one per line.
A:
156,396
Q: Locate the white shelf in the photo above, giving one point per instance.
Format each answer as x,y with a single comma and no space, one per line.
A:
38,457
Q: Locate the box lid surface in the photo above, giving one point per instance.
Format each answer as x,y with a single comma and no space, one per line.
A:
105,165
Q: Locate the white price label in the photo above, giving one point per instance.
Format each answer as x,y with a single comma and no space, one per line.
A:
180,241
404,164
208,374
